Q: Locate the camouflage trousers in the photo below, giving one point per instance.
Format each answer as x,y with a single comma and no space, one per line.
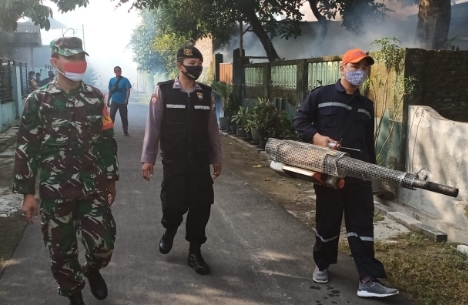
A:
62,220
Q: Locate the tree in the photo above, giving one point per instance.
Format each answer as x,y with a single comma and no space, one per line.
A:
167,45
216,18
142,41
433,23
352,12
12,10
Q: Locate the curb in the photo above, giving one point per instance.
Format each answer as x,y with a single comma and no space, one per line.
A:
407,221
410,222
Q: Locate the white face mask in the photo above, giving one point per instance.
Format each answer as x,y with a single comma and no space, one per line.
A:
75,77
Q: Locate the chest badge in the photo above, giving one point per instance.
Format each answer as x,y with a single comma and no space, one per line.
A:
200,95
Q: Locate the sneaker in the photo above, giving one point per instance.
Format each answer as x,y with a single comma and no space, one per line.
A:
375,289
320,276
126,133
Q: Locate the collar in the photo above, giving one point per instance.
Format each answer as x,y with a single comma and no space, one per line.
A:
339,87
54,87
177,85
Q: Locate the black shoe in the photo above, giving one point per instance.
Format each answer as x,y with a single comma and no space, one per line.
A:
126,133
76,299
196,261
96,283
165,244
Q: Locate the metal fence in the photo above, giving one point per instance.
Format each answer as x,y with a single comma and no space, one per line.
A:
254,76
6,87
23,77
284,76
323,73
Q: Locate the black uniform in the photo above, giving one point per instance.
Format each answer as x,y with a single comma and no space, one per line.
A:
326,110
185,148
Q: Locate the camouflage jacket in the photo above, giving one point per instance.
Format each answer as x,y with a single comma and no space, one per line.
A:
68,140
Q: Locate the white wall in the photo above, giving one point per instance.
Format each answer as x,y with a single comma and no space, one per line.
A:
440,146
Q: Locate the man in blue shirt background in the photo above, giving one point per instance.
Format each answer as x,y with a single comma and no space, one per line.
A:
119,92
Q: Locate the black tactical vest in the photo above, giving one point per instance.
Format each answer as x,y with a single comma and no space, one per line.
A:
184,127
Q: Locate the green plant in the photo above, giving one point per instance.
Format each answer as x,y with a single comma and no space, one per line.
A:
391,55
231,105
222,89
265,115
241,117
285,128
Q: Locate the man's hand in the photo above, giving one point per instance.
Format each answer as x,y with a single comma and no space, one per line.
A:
217,170
30,208
126,102
147,170
321,140
112,192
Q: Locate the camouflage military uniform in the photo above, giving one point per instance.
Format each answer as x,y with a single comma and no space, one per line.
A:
68,140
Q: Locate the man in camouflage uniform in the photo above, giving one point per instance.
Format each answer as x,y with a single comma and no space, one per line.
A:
66,137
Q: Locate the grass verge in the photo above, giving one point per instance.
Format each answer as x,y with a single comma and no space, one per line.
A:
430,273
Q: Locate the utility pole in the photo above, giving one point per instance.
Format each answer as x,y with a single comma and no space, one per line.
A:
241,38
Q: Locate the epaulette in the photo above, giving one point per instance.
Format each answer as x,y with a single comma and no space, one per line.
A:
203,86
168,82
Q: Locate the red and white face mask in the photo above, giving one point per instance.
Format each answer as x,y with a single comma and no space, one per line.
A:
74,71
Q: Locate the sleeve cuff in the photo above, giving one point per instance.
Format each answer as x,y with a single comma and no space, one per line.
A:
24,188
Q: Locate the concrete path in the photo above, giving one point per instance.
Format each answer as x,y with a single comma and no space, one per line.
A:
259,253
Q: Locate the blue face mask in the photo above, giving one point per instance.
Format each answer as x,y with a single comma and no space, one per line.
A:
356,77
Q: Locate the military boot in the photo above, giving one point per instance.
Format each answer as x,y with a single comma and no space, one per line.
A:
165,244
76,298
96,283
196,261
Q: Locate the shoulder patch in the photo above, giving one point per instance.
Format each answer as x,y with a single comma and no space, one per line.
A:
155,96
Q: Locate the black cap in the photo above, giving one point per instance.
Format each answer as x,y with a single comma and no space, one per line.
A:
189,52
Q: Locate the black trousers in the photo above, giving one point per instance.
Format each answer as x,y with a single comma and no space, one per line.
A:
357,203
187,187
123,110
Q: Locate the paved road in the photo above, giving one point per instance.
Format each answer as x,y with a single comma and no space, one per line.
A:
259,253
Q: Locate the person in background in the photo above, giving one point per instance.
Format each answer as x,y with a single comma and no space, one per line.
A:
119,93
32,83
38,78
49,79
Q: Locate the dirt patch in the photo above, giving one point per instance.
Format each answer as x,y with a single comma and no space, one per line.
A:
292,194
11,231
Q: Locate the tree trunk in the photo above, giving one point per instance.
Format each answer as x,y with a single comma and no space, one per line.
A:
320,18
433,23
258,29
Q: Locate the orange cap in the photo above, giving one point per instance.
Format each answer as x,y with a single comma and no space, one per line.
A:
356,55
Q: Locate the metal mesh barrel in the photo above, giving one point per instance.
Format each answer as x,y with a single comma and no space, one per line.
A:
332,162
